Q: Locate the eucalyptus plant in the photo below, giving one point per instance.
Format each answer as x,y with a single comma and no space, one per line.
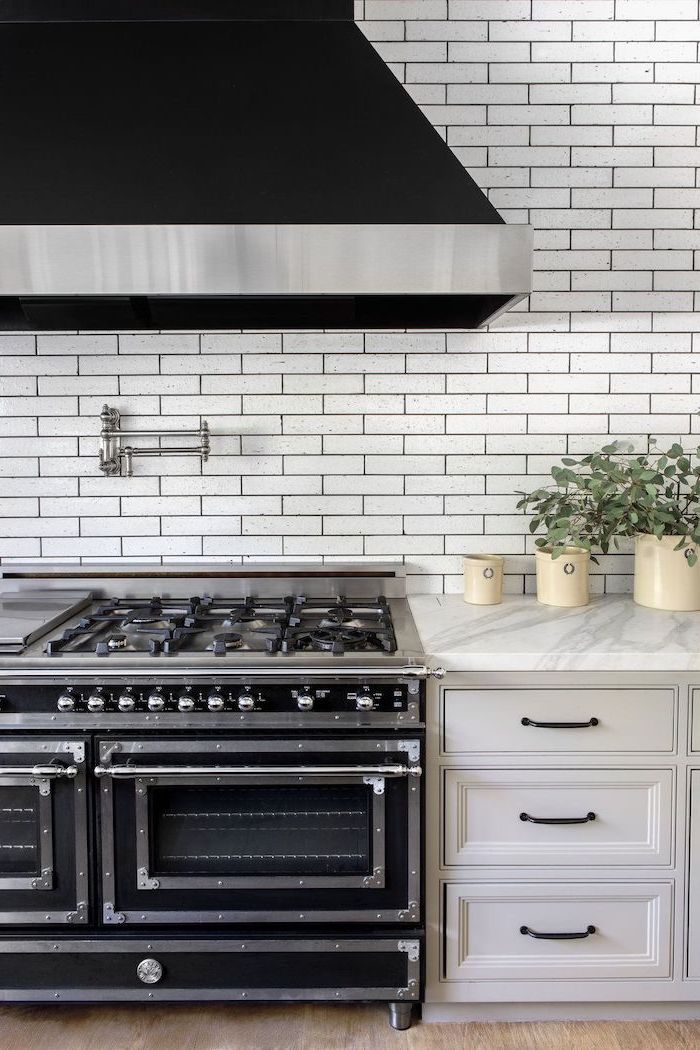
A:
598,499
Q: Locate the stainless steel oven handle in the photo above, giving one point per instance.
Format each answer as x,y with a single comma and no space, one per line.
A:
122,772
45,772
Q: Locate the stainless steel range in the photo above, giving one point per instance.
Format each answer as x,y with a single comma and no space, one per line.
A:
210,784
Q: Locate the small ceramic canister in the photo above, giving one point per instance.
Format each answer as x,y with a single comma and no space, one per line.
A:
483,579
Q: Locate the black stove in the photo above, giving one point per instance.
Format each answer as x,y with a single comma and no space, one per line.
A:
221,793
165,626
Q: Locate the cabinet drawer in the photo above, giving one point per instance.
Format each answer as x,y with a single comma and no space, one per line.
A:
494,816
486,931
562,720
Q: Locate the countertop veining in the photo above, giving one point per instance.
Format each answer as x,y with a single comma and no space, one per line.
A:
610,634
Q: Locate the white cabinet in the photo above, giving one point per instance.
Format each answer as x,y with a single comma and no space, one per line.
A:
558,719
557,825
557,816
694,875
560,931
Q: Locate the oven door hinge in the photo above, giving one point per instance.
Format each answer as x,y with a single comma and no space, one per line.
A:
76,749
80,913
375,879
412,948
410,913
112,916
45,882
146,882
377,784
411,747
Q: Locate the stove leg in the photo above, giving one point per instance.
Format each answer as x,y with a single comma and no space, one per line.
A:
400,1015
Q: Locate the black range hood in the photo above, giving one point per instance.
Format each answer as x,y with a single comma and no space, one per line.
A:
230,164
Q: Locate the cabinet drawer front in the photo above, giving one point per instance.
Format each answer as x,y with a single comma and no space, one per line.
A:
495,816
581,720
630,931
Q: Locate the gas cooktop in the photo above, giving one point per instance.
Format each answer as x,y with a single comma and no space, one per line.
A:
200,618
167,626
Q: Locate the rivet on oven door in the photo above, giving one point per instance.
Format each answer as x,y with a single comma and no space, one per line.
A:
244,995
219,883
301,882
302,916
219,916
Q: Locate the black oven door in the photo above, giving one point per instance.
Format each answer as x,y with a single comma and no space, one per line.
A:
43,832
260,831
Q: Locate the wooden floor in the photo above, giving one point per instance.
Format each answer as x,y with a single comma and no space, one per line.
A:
252,1027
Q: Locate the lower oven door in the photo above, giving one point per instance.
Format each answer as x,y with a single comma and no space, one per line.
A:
260,831
43,832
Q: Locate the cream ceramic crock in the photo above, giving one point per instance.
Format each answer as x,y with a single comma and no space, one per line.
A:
483,579
562,581
662,577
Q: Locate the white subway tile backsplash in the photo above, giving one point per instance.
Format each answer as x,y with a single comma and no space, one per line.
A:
579,116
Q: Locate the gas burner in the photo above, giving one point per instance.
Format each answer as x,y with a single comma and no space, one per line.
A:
338,614
334,639
222,643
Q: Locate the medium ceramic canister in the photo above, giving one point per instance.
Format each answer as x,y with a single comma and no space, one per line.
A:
663,579
563,581
483,579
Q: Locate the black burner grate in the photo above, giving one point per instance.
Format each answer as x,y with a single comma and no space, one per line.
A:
166,626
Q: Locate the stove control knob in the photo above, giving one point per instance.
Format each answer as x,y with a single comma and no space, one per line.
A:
185,703
155,702
95,702
305,702
365,702
126,702
215,702
246,703
65,702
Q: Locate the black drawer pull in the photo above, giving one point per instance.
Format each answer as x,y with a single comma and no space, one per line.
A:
525,930
558,820
559,725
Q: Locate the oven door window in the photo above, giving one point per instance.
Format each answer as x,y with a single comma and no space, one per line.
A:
318,831
43,832
24,851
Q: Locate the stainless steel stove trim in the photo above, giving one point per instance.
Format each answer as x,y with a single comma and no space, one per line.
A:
300,673
202,720
213,882
42,776
111,915
410,991
221,580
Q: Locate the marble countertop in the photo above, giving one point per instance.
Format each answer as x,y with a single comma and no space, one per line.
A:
610,634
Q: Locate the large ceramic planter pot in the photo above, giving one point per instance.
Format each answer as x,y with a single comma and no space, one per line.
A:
563,581
662,577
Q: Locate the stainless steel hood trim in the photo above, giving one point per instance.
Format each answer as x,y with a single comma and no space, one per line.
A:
266,260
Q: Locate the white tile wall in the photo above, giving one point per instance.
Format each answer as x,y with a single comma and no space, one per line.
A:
579,116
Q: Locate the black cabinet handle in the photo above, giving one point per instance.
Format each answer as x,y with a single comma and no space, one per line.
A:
558,820
526,931
559,725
